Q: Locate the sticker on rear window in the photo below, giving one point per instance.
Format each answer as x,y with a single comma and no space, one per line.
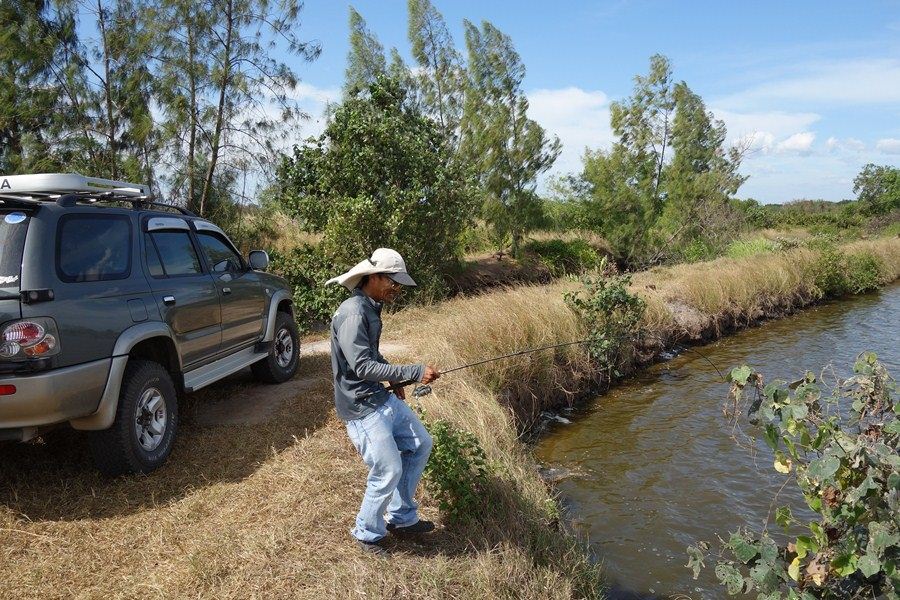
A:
8,279
14,218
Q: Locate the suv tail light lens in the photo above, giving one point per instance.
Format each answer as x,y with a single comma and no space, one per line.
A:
29,338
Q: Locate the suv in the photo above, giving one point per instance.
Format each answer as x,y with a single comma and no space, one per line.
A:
111,306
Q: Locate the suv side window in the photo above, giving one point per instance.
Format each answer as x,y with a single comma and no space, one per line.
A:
93,247
222,258
176,254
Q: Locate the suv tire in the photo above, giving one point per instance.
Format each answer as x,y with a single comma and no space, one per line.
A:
284,355
141,437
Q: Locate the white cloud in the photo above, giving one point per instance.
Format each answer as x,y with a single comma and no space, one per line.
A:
888,146
799,142
309,94
760,129
850,144
579,117
857,82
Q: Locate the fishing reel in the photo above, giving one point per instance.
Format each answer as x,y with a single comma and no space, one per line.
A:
421,390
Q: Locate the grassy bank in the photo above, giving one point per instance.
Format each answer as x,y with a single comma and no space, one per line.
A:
257,502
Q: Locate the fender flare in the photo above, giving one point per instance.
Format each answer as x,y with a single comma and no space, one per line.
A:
277,298
105,414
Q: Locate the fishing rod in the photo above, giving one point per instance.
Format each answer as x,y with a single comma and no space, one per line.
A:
424,390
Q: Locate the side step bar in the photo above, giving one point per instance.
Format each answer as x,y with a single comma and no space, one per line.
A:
214,371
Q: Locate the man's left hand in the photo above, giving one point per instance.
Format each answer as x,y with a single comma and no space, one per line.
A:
400,392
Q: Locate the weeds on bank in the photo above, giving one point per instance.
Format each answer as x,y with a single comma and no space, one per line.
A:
456,470
840,450
611,315
837,273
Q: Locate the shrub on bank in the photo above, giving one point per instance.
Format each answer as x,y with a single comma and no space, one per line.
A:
564,257
837,273
306,269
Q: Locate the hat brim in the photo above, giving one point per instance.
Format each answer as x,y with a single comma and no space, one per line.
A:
402,279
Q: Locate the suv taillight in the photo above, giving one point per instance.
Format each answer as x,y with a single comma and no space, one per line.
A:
30,338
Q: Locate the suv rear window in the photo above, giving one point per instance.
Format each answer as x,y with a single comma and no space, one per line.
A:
93,247
13,227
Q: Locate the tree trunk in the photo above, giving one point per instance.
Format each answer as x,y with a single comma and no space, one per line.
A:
192,140
107,91
220,111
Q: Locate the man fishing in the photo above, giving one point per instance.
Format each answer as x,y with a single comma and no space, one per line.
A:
384,430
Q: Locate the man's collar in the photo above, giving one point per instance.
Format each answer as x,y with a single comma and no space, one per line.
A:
375,305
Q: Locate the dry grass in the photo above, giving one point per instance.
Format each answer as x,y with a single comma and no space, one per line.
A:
263,511
597,242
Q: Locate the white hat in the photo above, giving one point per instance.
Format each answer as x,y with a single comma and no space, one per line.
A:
383,260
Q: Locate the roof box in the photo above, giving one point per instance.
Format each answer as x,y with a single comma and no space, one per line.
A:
50,186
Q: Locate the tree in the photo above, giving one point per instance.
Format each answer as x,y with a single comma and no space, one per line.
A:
441,74
365,59
878,188
381,174
701,177
32,44
506,149
666,185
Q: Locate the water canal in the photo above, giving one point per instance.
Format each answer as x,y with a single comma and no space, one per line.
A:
651,467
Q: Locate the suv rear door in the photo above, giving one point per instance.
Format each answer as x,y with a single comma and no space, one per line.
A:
185,292
242,298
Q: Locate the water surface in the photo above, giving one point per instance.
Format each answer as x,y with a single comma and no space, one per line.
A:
651,467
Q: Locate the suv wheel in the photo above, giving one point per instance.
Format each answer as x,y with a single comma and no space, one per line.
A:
284,356
141,437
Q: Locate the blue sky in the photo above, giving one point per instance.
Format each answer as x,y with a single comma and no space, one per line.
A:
815,85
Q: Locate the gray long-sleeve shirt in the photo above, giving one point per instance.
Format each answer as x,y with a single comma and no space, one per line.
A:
356,363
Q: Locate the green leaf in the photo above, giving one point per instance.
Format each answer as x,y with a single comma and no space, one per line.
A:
740,375
731,578
823,468
742,549
784,516
845,564
869,565
771,436
892,427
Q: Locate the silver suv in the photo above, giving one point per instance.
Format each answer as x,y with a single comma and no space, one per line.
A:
111,306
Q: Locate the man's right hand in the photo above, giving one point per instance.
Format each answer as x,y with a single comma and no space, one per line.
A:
430,374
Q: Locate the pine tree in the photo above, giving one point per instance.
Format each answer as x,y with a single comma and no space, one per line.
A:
365,60
506,148
441,74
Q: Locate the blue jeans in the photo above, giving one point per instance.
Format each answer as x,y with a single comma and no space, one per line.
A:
395,445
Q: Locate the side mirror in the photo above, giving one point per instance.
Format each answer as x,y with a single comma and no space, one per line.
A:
259,260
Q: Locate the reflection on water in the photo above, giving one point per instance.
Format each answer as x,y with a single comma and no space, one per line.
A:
653,467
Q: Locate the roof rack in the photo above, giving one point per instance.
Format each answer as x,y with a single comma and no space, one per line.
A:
66,189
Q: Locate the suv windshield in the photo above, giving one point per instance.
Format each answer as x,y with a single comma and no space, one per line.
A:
13,226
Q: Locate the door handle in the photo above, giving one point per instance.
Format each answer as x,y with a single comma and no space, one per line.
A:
169,300
226,290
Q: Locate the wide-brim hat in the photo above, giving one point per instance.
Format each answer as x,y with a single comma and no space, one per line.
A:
383,260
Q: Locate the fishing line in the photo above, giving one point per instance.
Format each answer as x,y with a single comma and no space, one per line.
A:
423,390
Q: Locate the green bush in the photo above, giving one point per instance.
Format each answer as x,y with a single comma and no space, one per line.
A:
836,273
612,315
382,175
563,257
307,269
697,250
841,451
456,469
863,273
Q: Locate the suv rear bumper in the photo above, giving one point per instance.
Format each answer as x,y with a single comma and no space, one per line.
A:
53,396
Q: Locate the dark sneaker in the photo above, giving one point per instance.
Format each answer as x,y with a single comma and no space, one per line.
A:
373,548
420,526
